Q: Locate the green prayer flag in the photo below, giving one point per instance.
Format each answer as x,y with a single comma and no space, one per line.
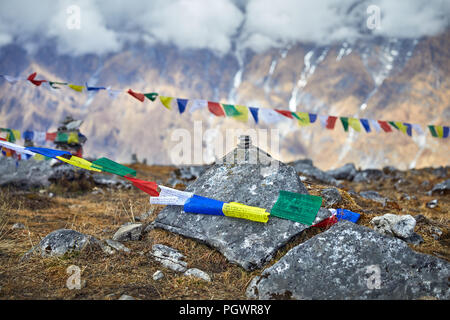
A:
344,121
392,123
230,110
62,137
152,95
433,131
52,84
297,207
110,166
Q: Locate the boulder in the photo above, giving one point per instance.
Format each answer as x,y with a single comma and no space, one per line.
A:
26,174
368,175
62,241
346,172
250,176
349,261
401,226
374,196
158,275
307,168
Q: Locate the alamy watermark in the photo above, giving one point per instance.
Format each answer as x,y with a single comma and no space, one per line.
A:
373,21
374,279
73,21
74,281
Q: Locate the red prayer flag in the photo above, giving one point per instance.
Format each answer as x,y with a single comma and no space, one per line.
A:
216,109
35,82
149,187
50,136
331,121
137,95
285,113
385,126
326,222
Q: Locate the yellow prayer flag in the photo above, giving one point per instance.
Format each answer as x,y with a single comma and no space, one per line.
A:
79,162
76,88
243,110
166,101
401,126
439,131
39,157
73,137
239,210
16,134
302,118
355,124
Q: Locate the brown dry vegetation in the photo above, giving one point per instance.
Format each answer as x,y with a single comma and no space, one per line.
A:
109,276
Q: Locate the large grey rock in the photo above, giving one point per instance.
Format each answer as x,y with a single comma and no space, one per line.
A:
346,172
349,261
26,174
374,196
249,176
62,241
368,175
308,169
331,196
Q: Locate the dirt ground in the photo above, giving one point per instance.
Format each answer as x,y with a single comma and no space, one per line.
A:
100,213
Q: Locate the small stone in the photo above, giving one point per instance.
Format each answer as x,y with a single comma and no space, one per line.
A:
18,225
126,297
117,245
169,257
158,275
197,273
132,231
401,226
374,196
432,204
414,239
441,188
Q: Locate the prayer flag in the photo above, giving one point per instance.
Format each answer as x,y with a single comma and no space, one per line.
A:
312,117
33,81
149,187
216,109
203,205
137,95
230,110
433,131
344,121
182,105
76,87
297,207
331,122
50,153
152,95
385,126
166,101
285,113
365,124
110,166
198,104
52,84
243,113
355,124
303,118
50,136
254,112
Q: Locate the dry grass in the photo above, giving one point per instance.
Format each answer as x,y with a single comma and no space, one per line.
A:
108,277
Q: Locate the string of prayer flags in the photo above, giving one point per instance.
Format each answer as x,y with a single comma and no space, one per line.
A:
137,95
32,77
79,162
110,166
166,101
216,109
149,187
182,105
297,207
439,131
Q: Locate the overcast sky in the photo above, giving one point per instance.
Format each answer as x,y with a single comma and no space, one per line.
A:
105,25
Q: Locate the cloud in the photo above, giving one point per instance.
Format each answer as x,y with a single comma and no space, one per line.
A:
106,25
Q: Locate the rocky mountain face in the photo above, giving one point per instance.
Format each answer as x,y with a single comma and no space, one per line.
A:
389,79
